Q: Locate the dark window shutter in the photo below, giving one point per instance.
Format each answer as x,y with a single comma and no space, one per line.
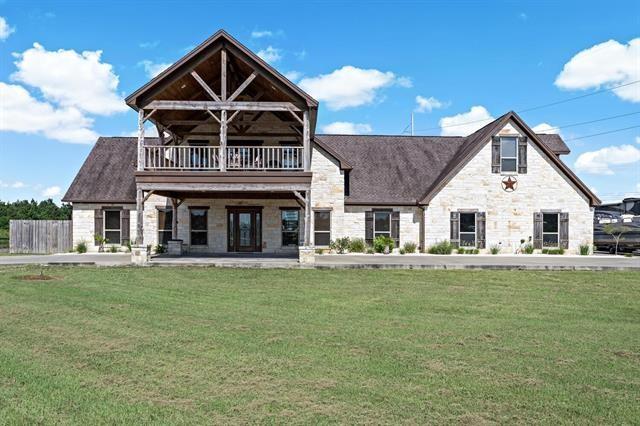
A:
537,230
481,229
495,154
564,230
97,224
395,227
368,227
522,154
124,226
455,229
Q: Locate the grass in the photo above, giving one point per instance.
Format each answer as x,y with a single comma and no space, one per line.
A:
202,345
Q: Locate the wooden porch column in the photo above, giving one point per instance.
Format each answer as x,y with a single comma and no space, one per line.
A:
307,218
174,219
223,140
140,217
306,141
140,140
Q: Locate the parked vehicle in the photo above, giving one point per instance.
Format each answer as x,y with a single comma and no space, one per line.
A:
626,213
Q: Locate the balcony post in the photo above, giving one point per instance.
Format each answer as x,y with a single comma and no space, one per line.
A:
306,141
307,218
223,140
140,140
139,195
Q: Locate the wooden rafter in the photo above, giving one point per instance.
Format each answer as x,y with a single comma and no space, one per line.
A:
205,86
217,106
242,86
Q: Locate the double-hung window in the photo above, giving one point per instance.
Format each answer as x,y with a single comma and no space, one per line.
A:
290,226
381,224
112,227
198,226
468,235
322,227
165,221
550,230
508,154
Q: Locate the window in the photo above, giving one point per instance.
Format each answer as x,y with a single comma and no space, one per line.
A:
198,224
322,233
112,226
381,224
550,237
165,221
290,227
467,229
509,154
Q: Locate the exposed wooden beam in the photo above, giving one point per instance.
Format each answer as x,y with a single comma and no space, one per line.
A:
299,197
259,135
214,116
306,141
148,116
217,106
205,86
296,117
149,194
242,86
223,74
233,116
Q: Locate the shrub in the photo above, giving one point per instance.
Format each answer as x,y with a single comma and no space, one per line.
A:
585,249
370,250
101,242
553,251
474,251
628,255
128,246
113,249
528,248
160,249
319,251
381,242
357,246
402,250
460,250
443,247
494,249
341,245
410,247
81,247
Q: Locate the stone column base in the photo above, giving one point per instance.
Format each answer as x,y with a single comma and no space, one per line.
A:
306,255
139,255
174,247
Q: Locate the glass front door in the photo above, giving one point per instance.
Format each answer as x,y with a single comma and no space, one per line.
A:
244,227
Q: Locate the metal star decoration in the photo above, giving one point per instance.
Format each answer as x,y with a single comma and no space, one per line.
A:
509,184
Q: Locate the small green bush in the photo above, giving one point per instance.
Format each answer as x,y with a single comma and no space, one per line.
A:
128,246
469,250
628,255
410,247
319,251
528,248
460,250
357,245
443,247
494,249
381,242
370,250
113,249
553,251
585,249
160,249
340,245
81,247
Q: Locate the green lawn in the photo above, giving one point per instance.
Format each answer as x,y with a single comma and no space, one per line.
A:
201,345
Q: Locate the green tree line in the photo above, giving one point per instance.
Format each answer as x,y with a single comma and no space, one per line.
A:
24,209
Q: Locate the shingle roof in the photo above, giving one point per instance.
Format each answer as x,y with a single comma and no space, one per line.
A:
554,142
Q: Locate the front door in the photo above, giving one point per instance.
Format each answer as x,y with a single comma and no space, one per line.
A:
244,227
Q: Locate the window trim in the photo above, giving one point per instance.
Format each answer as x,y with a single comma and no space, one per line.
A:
315,231
557,233
387,233
510,172
475,229
104,225
282,231
170,230
205,231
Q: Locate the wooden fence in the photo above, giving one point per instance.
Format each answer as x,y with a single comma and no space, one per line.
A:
40,236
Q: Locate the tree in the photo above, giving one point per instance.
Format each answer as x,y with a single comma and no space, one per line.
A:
616,230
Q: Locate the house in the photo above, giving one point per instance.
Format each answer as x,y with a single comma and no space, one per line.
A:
237,166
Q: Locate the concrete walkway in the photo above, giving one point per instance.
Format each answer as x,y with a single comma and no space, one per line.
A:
529,262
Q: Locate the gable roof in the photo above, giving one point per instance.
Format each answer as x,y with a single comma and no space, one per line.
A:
210,46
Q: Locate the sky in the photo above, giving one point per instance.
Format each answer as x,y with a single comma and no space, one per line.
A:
567,67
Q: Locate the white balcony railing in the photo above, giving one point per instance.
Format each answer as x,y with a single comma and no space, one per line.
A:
194,158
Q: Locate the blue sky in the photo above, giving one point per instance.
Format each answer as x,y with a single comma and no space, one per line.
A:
65,66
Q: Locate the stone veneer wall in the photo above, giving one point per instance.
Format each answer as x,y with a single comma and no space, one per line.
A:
354,222
509,216
83,222
327,191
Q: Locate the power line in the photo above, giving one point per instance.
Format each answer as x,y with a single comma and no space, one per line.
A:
603,133
535,107
566,126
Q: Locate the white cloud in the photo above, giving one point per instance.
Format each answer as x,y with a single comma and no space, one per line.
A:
149,44
5,29
606,64
428,104
71,79
293,75
405,82
600,162
271,55
21,112
349,86
261,34
346,128
545,128
51,191
17,185
152,68
149,131
465,123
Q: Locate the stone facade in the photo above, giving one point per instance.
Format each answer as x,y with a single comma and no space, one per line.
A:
509,215
327,191
84,222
